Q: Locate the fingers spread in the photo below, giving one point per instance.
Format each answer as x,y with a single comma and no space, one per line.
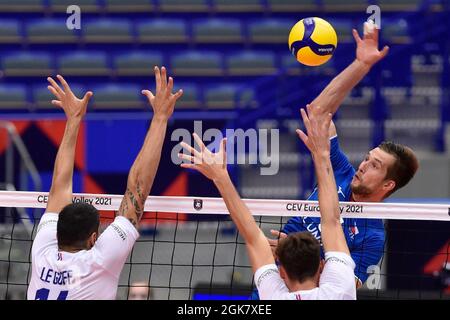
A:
375,32
305,119
186,157
302,136
356,36
87,97
384,52
187,147
55,93
199,141
55,86
64,83
157,79
368,30
57,103
223,145
223,150
169,87
177,95
163,78
148,94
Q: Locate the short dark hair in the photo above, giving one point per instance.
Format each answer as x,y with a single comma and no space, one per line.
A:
405,165
299,254
76,223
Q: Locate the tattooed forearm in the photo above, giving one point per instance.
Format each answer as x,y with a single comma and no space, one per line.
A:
123,207
143,171
133,221
136,203
136,211
141,194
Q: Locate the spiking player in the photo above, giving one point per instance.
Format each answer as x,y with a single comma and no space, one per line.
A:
301,274
70,260
384,170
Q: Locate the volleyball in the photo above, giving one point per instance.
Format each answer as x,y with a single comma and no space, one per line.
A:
312,41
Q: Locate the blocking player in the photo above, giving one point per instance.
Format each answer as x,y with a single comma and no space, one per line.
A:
70,260
301,275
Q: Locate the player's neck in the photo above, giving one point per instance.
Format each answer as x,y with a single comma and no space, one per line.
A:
305,285
71,249
365,198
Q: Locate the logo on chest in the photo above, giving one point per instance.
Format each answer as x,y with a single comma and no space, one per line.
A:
340,191
353,231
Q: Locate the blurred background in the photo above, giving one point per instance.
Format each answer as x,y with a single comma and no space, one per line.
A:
232,60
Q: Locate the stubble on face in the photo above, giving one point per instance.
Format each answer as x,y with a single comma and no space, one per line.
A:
358,188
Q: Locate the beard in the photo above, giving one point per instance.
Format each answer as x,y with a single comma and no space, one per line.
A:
360,189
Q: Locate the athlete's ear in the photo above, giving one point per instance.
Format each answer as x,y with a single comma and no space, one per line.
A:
92,239
282,272
389,185
321,265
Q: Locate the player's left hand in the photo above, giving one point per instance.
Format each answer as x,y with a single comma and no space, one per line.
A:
211,165
367,48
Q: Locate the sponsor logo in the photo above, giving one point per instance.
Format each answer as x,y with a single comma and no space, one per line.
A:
341,192
198,204
119,231
266,274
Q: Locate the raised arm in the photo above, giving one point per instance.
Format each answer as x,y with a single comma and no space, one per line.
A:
214,167
367,54
74,108
142,173
317,141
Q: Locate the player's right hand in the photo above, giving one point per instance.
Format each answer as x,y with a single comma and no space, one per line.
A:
274,242
367,48
73,107
163,102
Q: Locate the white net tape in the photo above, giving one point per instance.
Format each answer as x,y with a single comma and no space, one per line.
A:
259,207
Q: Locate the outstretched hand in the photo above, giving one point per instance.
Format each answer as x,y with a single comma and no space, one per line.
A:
367,48
164,101
317,125
211,165
73,107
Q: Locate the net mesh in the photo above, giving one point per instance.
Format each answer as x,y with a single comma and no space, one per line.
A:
189,256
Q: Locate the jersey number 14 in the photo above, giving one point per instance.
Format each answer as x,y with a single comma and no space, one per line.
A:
42,294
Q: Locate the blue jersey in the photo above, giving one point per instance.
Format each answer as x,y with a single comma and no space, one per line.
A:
365,237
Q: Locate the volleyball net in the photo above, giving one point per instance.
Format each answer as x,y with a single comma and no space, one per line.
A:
190,249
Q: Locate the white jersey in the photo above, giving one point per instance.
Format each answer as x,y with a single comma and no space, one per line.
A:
88,274
337,281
